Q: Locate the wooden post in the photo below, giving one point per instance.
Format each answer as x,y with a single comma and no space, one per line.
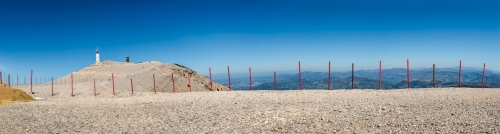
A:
154,83
274,80
408,71
482,78
380,77
189,82
250,71
52,81
72,85
31,82
210,71
132,85
300,78
113,82
9,79
328,75
434,74
173,82
229,79
352,85
1,83
459,73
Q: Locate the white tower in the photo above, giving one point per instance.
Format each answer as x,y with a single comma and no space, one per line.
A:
97,60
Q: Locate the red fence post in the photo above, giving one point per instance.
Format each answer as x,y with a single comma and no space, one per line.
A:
173,83
328,75
95,94
210,71
229,78
154,83
459,73
132,85
300,78
408,71
113,81
52,81
250,70
352,78
72,84
189,82
274,80
31,82
482,79
380,77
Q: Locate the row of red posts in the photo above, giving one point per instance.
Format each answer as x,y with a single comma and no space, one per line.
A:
380,85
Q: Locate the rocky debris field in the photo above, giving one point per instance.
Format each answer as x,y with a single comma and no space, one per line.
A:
447,110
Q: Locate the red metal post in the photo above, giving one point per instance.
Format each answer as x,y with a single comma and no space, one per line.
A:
189,82
408,71
275,80
229,79
113,82
95,93
31,82
459,73
132,85
250,70
154,83
210,71
482,79
352,78
380,77
328,75
173,83
300,78
71,84
52,80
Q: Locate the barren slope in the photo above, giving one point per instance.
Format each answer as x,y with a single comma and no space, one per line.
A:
142,75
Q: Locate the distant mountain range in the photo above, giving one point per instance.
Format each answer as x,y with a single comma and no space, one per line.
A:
395,78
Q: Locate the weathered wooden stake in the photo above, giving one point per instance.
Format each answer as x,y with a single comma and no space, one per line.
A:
173,83
482,79
434,74
352,85
459,73
250,71
274,80
380,77
328,75
408,71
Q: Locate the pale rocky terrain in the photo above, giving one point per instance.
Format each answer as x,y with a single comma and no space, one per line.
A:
308,111
142,77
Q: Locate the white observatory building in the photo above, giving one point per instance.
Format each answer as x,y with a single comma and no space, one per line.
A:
97,60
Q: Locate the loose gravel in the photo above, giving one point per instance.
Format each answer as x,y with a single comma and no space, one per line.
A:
307,111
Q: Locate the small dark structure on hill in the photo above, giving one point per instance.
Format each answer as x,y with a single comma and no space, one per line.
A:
127,59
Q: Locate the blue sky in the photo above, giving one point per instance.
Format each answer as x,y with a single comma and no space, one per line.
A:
55,37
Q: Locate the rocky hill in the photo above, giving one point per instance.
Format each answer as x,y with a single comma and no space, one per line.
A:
142,77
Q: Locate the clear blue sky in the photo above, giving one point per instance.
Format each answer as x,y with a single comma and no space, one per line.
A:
55,37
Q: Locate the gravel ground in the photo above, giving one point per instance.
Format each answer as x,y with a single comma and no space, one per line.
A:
307,111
